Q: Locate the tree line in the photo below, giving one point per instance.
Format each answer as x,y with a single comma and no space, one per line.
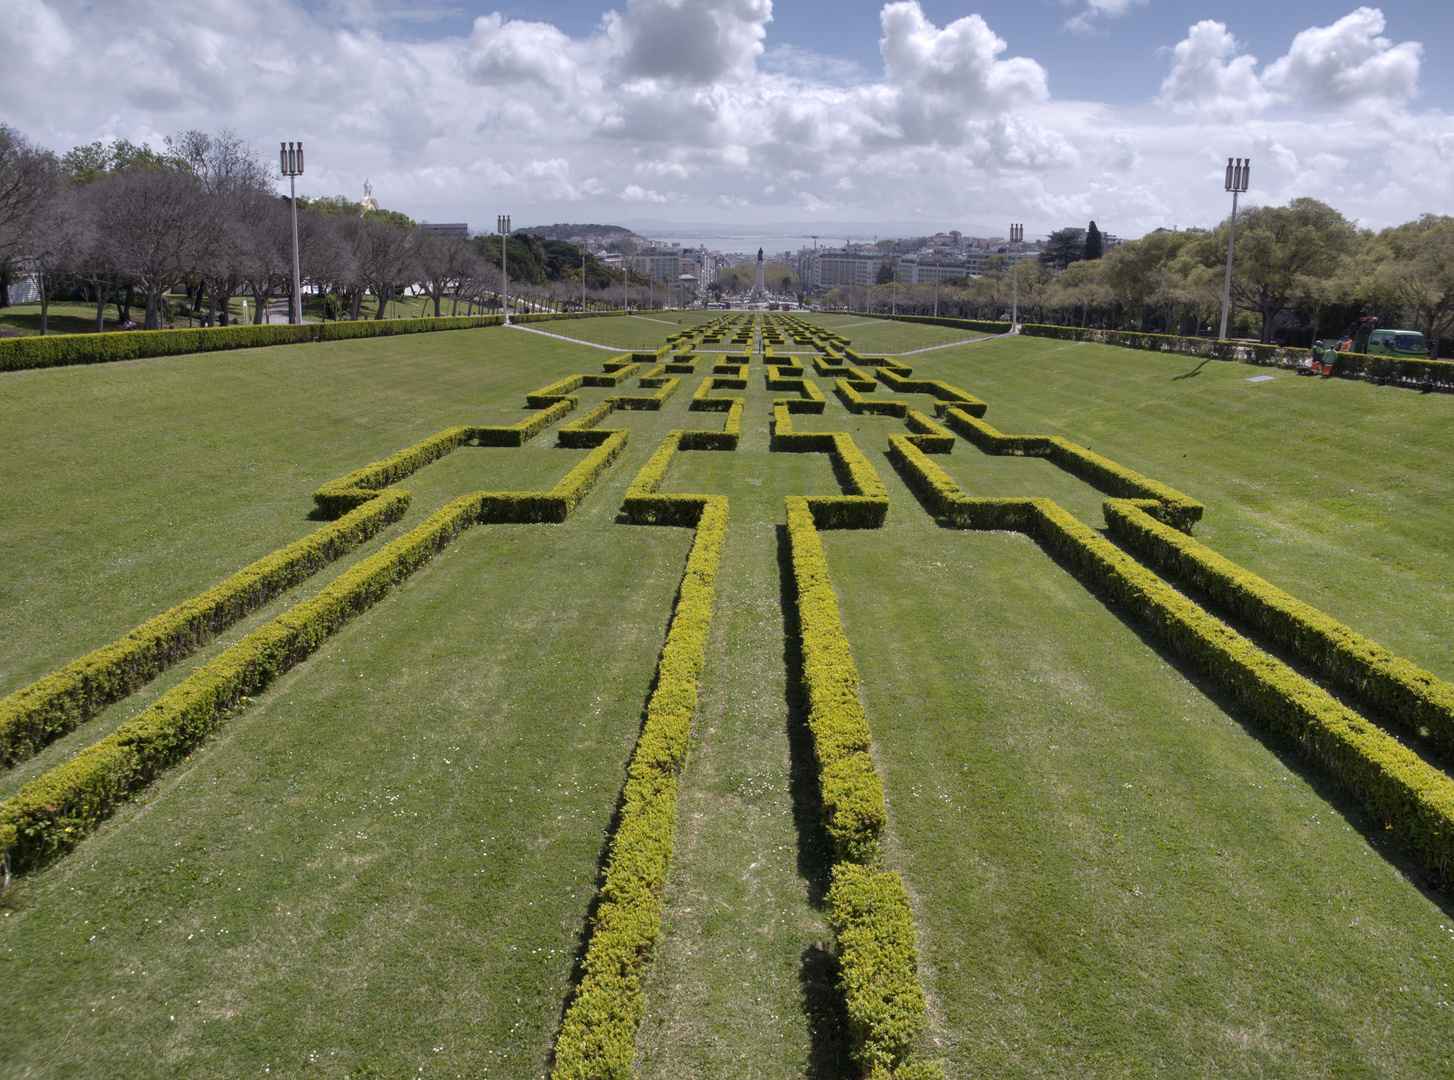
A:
1300,272
125,224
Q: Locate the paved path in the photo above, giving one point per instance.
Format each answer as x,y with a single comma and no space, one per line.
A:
577,341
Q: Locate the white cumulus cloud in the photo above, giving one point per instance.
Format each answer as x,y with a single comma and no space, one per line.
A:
1209,74
1348,63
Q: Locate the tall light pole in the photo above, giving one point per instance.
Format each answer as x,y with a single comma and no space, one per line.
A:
583,278
291,155
1017,237
502,225
1237,178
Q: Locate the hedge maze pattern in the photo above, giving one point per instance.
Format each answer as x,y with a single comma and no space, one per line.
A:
1389,741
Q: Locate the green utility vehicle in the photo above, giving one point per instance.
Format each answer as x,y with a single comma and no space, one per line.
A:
1397,343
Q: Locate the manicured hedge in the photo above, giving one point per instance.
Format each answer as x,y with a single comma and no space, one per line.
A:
666,387
1411,798
879,971
50,814
358,487
1175,509
598,1033
65,349
872,923
1396,689
852,794
560,390
614,375
867,504
48,708
979,326
947,396
855,402
928,436
702,401
726,439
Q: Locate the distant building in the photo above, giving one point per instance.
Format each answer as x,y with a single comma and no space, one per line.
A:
837,267
454,231
659,264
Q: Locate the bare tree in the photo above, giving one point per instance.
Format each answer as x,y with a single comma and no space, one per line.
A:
385,257
167,230
29,175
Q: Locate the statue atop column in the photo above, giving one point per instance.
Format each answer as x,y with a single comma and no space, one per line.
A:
758,292
369,202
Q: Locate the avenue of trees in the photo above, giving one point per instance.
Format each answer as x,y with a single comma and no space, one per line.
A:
127,225
1301,271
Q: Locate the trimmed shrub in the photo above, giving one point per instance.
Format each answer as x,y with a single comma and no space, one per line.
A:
855,402
1413,799
48,708
613,375
62,350
878,959
1173,507
947,396
556,391
852,794
1415,699
702,401
348,492
598,1033
652,402
928,436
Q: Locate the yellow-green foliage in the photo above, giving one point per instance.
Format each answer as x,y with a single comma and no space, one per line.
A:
945,395
598,1034
60,350
1381,681
54,705
666,387
1412,798
644,506
928,436
855,402
613,376
556,391
852,795
51,813
726,439
811,399
867,503
358,487
1175,508
702,401
580,433
879,965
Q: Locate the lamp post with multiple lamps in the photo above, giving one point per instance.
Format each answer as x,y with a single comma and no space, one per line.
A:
291,156
502,226
1017,237
1238,176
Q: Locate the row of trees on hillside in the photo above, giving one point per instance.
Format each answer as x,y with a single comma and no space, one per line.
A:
124,223
1301,271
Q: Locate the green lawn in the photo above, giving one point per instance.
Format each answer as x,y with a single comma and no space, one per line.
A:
385,865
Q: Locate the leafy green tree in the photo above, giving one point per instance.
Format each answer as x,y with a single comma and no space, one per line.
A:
1064,247
1093,243
1416,264
1281,252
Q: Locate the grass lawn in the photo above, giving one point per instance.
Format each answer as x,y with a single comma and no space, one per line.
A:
385,865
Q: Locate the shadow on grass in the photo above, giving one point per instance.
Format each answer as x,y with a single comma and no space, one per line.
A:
1193,373
1288,751
822,997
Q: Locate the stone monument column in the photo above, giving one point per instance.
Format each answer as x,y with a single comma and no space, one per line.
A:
758,292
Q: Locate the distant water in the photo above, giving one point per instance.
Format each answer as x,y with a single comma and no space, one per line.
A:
747,245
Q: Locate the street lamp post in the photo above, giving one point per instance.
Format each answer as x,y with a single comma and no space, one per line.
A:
291,155
583,278
936,283
502,225
1017,237
1238,176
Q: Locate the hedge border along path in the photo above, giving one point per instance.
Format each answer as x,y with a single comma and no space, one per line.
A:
1422,374
51,814
63,350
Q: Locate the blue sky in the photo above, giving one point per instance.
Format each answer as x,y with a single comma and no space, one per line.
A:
749,112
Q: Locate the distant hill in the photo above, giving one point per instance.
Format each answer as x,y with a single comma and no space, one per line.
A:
566,231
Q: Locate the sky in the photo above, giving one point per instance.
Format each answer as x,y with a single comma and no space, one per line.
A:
913,114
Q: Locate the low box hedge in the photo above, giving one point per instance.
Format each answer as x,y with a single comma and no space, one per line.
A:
598,1032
